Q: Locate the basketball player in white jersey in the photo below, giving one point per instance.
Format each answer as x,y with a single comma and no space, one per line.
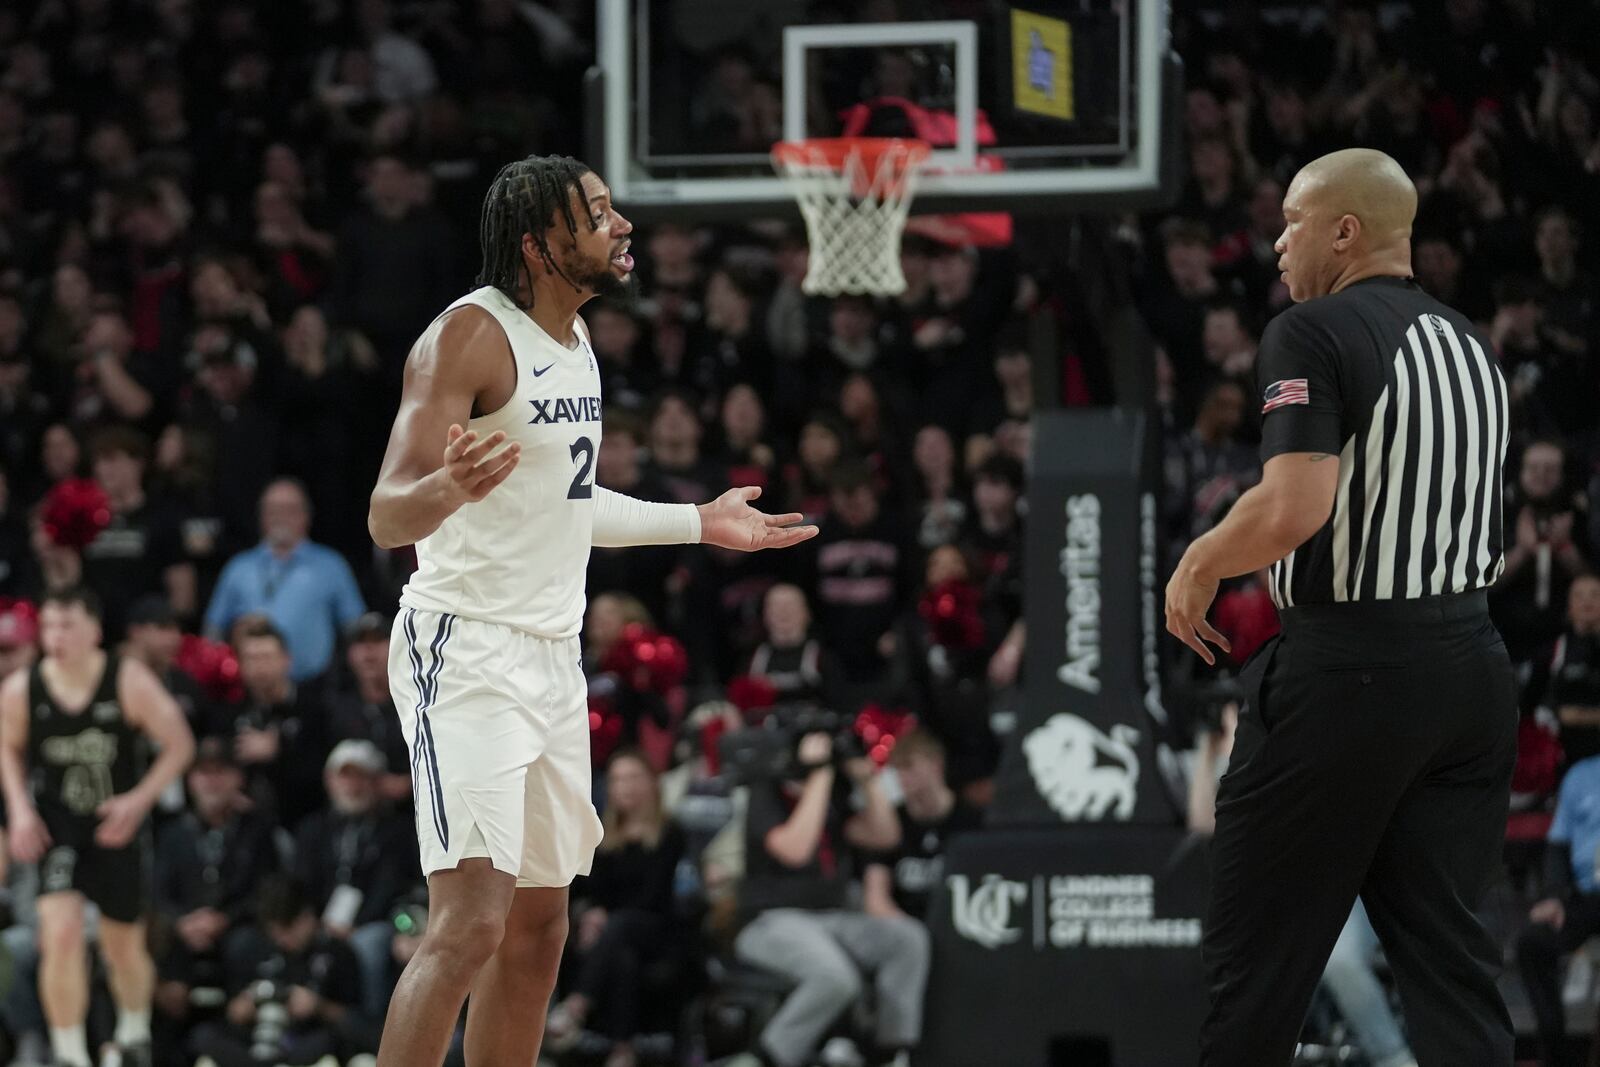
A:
490,473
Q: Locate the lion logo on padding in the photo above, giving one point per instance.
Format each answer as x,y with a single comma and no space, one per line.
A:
1082,772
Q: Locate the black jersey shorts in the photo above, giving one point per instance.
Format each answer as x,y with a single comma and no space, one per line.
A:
116,880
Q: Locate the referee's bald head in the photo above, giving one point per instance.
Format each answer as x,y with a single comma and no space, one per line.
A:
1347,216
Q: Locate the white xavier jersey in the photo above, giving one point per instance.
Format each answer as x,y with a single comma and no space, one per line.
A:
518,556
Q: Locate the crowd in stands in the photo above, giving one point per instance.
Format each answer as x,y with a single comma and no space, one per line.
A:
223,224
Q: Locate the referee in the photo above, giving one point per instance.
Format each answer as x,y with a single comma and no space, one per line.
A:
1374,755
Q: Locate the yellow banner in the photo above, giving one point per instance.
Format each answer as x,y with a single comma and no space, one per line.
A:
1041,64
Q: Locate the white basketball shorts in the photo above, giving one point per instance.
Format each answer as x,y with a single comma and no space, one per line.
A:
497,722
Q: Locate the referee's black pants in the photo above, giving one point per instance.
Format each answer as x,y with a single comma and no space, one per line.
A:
1373,756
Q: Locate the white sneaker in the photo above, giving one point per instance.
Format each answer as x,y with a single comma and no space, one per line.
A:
366,1059
205,1061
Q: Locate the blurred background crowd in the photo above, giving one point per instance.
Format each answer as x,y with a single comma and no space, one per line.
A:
223,224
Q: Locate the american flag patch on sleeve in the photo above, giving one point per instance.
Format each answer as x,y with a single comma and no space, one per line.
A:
1281,394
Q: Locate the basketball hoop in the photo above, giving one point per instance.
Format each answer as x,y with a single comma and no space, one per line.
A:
855,193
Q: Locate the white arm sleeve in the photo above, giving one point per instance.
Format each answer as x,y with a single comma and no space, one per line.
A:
621,521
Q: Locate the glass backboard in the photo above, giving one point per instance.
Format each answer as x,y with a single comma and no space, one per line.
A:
1029,105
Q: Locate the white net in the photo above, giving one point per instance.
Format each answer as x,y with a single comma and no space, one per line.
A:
855,194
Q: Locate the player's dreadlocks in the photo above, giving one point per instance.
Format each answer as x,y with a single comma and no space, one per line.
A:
524,198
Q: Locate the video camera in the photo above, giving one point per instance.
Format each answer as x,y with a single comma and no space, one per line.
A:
770,750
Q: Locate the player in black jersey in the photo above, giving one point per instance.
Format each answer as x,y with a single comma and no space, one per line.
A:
75,734
1373,756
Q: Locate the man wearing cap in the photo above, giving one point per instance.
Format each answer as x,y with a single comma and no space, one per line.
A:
209,862
358,860
366,711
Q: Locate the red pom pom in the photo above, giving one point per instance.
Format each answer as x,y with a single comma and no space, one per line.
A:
19,622
75,511
670,664
647,661
605,732
752,692
881,728
951,610
623,657
213,666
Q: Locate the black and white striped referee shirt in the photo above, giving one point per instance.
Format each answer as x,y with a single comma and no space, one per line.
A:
1411,399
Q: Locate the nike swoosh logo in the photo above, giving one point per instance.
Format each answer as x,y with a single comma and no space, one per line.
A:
539,372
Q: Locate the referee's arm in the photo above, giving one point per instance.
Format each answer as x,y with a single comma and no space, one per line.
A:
1297,370
1291,503
1283,512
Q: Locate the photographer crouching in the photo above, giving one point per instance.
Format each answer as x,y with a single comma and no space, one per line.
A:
293,990
796,912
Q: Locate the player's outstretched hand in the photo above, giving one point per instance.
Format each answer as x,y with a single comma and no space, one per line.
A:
473,465
120,819
730,522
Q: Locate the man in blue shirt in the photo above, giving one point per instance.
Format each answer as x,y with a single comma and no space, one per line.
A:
306,589
1570,913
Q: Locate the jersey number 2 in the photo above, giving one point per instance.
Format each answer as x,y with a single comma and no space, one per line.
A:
582,487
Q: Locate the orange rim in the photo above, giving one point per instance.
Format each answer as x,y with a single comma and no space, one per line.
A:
836,151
